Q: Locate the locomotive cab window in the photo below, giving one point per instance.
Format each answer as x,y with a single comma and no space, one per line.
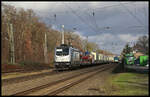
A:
130,58
62,51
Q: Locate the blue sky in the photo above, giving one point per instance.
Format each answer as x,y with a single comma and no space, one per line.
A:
126,20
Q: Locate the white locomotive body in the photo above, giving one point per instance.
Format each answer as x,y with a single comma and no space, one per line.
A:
66,57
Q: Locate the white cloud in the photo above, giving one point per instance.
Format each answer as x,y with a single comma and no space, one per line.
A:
102,37
80,34
128,37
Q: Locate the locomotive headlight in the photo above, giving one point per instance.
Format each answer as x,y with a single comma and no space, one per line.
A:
55,58
67,63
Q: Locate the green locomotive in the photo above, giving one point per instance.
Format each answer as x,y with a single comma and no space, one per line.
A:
129,59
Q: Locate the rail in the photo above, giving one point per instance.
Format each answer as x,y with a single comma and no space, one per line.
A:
52,90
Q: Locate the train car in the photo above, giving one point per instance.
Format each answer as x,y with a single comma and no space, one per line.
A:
143,60
116,59
87,58
95,55
107,58
66,57
100,58
104,58
111,59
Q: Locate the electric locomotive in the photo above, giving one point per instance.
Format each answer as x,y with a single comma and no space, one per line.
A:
129,59
66,57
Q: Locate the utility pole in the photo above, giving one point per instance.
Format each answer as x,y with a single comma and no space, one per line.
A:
87,43
45,49
12,50
62,34
70,38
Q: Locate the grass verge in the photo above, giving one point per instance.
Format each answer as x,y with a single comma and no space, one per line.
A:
130,84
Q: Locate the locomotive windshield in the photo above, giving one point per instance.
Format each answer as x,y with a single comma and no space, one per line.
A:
62,51
130,58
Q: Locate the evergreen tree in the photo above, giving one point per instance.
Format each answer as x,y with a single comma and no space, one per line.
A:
127,49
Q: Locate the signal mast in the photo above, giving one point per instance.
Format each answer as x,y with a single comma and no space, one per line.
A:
62,34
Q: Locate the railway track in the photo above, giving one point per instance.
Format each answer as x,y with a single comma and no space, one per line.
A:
27,77
19,70
31,77
12,71
53,88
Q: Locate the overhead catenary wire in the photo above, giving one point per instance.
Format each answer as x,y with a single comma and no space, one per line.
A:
92,18
84,21
54,17
120,5
135,17
94,14
144,11
91,15
111,6
104,7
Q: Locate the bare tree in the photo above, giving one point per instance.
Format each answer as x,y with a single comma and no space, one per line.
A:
142,45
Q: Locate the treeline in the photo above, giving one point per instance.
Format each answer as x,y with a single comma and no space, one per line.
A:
29,37
28,32
142,45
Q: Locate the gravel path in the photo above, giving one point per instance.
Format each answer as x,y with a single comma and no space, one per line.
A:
95,85
27,76
21,74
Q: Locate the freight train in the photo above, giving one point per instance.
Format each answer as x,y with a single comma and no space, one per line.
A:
68,57
116,59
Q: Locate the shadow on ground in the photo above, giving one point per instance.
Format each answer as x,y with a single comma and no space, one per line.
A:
135,83
121,69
